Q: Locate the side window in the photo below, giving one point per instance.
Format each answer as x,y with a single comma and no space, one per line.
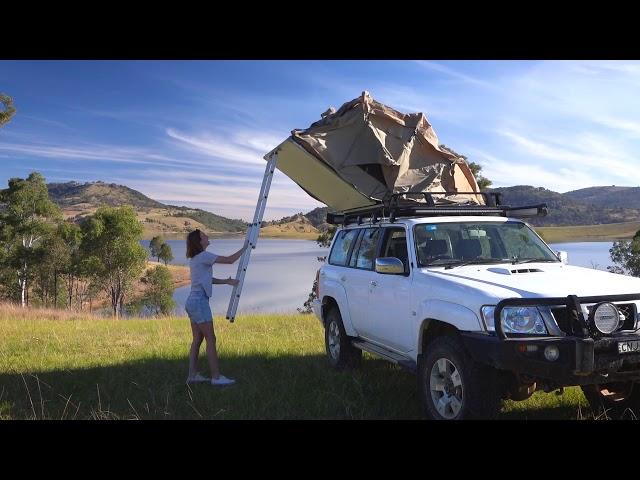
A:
341,247
395,245
366,252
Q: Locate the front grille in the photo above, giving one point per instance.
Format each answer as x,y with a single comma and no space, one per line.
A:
561,316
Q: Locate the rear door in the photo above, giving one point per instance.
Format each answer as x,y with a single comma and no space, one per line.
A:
359,279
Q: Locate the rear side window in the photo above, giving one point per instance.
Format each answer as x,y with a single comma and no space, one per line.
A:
340,250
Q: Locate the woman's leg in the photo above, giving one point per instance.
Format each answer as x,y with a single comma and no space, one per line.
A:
206,330
195,349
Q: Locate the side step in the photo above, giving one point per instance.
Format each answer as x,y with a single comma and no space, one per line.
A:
388,355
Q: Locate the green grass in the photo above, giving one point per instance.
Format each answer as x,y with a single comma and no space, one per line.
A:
71,368
589,233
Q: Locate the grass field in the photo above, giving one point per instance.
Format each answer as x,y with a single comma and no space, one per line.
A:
590,233
55,365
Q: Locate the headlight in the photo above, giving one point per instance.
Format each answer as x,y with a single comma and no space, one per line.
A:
523,320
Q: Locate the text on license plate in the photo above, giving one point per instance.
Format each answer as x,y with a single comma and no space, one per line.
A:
629,347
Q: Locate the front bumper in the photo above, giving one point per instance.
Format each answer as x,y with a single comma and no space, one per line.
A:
585,355
581,361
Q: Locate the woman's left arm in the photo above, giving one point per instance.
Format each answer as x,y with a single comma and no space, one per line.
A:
231,258
226,281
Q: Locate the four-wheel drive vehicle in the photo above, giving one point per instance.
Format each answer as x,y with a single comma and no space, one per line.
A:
480,308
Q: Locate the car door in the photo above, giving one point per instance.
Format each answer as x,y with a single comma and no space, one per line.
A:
390,295
359,279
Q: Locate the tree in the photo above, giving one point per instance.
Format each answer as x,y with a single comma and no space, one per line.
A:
324,240
483,182
8,111
166,255
154,246
626,256
158,296
28,216
114,255
53,258
71,236
476,168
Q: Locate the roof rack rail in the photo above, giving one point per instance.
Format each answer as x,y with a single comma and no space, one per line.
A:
397,207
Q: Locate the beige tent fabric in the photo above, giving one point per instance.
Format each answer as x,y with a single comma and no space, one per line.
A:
380,151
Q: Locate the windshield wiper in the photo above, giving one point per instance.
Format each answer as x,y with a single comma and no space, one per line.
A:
477,261
516,261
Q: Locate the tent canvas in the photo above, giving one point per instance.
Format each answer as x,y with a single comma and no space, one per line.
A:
365,151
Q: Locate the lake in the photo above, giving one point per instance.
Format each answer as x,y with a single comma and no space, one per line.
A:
279,277
281,272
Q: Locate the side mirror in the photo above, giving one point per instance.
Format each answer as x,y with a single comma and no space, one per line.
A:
389,266
563,256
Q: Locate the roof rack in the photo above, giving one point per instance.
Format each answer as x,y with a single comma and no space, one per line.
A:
397,207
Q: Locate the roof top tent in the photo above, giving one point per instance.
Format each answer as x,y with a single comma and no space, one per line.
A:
364,155
365,152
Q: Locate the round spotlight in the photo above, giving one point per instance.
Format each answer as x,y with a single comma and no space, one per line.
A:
606,317
551,353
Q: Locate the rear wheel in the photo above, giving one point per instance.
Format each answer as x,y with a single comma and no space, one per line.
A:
340,351
614,400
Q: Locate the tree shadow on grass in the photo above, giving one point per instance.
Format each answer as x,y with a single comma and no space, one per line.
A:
268,387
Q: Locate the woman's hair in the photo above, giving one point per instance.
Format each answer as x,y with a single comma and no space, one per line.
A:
194,247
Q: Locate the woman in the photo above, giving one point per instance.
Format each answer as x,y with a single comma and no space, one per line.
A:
197,304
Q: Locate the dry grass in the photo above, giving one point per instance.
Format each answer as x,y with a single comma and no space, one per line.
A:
14,311
590,233
67,365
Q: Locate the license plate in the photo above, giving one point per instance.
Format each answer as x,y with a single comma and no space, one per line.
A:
629,347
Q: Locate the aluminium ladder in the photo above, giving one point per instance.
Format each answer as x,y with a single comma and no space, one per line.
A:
252,236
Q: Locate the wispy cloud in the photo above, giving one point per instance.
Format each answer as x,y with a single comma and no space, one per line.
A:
243,148
506,173
626,125
450,72
106,153
47,121
229,200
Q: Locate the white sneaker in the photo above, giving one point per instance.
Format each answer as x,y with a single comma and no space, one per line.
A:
197,378
222,380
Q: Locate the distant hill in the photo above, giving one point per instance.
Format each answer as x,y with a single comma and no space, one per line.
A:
78,200
612,197
94,194
588,206
296,226
571,208
316,217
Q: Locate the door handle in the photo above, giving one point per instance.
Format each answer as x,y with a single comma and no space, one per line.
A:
374,283
343,278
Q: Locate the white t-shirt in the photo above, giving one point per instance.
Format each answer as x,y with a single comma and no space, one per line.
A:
201,271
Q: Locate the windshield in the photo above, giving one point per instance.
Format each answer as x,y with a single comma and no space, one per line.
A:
478,242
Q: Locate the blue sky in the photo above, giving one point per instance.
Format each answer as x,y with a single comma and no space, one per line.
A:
194,132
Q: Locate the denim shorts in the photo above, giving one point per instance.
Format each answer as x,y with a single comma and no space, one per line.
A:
197,307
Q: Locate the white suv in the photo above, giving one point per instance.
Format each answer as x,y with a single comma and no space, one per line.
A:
481,309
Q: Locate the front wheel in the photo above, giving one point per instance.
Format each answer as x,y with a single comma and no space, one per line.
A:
453,386
340,351
614,400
